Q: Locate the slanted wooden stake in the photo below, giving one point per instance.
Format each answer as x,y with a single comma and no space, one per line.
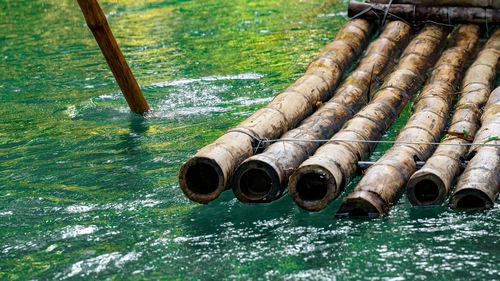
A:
98,24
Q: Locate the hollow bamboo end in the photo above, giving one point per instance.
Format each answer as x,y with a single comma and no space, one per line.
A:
362,204
470,199
313,188
201,179
426,189
256,181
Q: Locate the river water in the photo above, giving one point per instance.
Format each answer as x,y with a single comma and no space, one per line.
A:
89,190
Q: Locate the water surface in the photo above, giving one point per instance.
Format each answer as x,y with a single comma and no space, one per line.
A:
89,190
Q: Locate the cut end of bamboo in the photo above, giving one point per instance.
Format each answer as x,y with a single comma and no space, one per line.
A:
362,204
426,189
256,182
470,199
201,179
313,188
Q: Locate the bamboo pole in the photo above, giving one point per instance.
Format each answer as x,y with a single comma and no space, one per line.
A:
480,183
462,3
409,12
205,176
383,182
96,21
264,177
431,185
322,177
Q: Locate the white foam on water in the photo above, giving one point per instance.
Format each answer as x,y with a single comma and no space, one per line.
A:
77,230
4,214
186,81
338,14
100,263
76,209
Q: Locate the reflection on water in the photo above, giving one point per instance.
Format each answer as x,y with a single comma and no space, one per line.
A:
88,189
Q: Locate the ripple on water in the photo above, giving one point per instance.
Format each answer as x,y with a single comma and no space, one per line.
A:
115,260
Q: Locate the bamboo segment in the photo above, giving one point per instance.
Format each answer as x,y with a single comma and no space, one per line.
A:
322,177
384,181
431,184
409,12
205,176
263,177
463,3
98,24
480,183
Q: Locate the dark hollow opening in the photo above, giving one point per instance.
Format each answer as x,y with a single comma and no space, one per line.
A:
471,202
202,178
358,212
312,187
254,184
426,191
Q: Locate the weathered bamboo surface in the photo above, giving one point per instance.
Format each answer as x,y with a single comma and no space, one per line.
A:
322,177
383,182
205,176
431,184
410,12
264,177
463,3
99,26
480,183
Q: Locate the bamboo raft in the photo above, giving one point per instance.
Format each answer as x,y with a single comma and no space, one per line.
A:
317,134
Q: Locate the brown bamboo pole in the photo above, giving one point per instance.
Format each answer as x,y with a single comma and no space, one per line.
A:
205,176
322,177
410,12
461,3
383,182
480,183
99,26
264,177
431,184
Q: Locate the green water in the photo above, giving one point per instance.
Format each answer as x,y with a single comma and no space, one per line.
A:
89,190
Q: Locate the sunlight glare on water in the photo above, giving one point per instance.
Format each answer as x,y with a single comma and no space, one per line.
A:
89,190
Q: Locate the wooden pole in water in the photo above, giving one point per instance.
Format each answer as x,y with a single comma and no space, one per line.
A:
382,183
96,21
480,183
205,176
410,12
431,184
322,177
264,177
463,3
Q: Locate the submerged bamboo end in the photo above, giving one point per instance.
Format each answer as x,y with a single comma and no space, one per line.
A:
426,189
256,181
470,199
201,179
313,188
362,204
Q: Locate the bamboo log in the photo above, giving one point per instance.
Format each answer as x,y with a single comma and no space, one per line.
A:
322,177
480,183
205,176
409,12
264,177
431,185
384,181
99,26
461,3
